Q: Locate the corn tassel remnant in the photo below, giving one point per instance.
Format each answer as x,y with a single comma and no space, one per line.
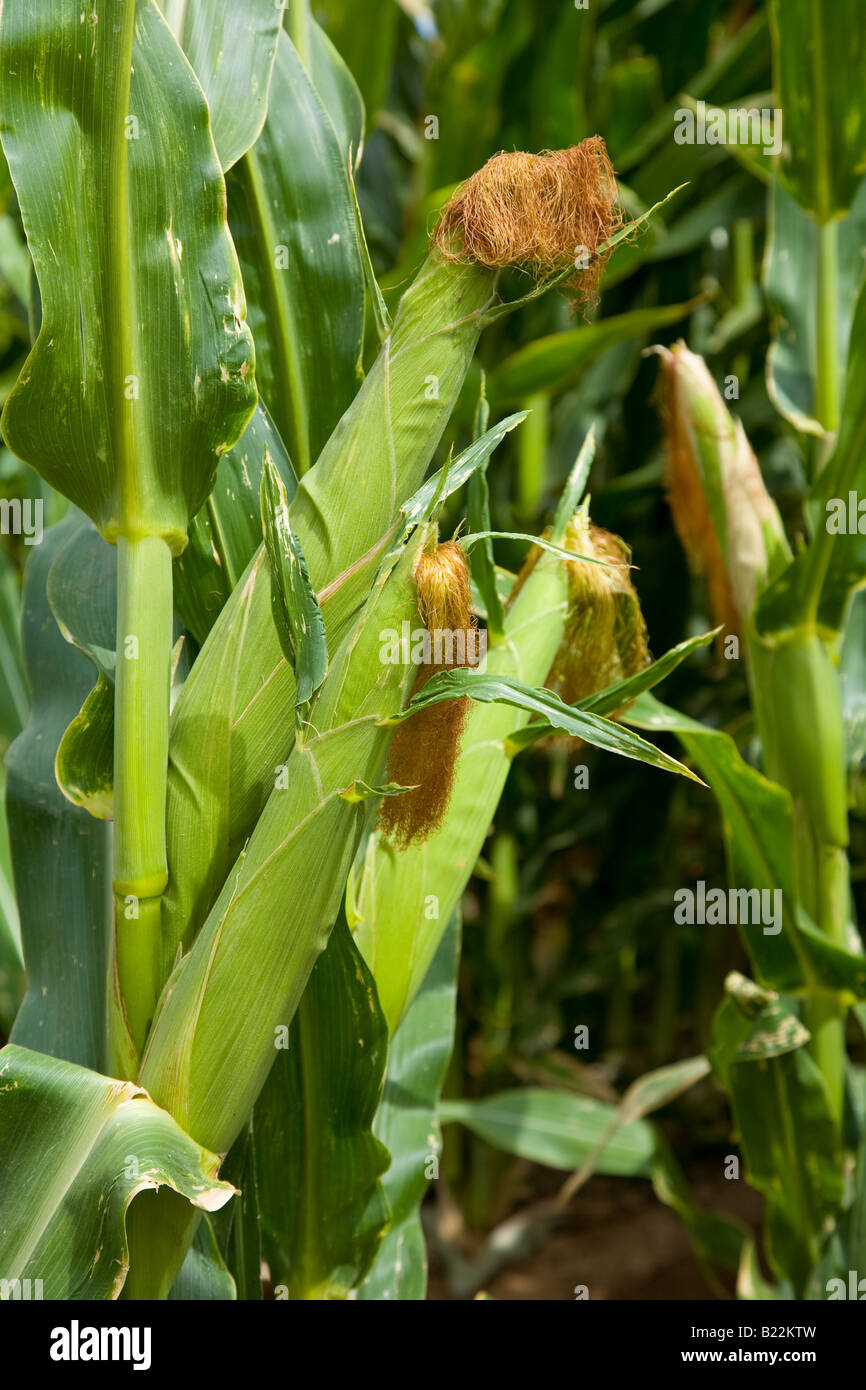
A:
542,212
424,749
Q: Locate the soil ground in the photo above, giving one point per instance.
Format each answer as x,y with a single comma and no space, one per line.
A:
619,1241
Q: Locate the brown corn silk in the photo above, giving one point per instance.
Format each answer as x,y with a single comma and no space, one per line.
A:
693,520
542,212
605,638
424,749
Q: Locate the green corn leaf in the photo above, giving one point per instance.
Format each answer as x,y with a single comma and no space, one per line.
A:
614,697
788,1136
238,1225
338,91
406,1123
551,363
163,353
558,1128
84,765
14,702
758,826
600,733
483,568
204,1276
716,1239
791,282
12,980
227,532
231,49
293,219
318,1163
470,539
82,592
447,480
822,159
75,1148
650,1092
366,39
744,50
65,914
297,614
819,583
575,486
381,316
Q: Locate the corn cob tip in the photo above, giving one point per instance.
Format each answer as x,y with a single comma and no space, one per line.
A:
540,212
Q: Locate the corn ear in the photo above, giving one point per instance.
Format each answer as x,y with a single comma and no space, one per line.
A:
253,956
605,638
403,899
728,523
344,513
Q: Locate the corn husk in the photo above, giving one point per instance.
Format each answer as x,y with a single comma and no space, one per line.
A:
223,752
403,899
214,1037
729,525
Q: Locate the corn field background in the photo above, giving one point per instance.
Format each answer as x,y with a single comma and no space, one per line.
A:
341,960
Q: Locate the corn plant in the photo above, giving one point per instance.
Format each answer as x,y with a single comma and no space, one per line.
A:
271,679
780,1041
196,1072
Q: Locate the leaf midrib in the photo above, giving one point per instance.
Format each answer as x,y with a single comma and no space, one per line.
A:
121,317
284,342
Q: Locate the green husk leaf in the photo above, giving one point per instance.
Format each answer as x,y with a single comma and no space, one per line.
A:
361,791
296,610
456,472
405,899
483,568
406,1122
322,1204
225,535
255,952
